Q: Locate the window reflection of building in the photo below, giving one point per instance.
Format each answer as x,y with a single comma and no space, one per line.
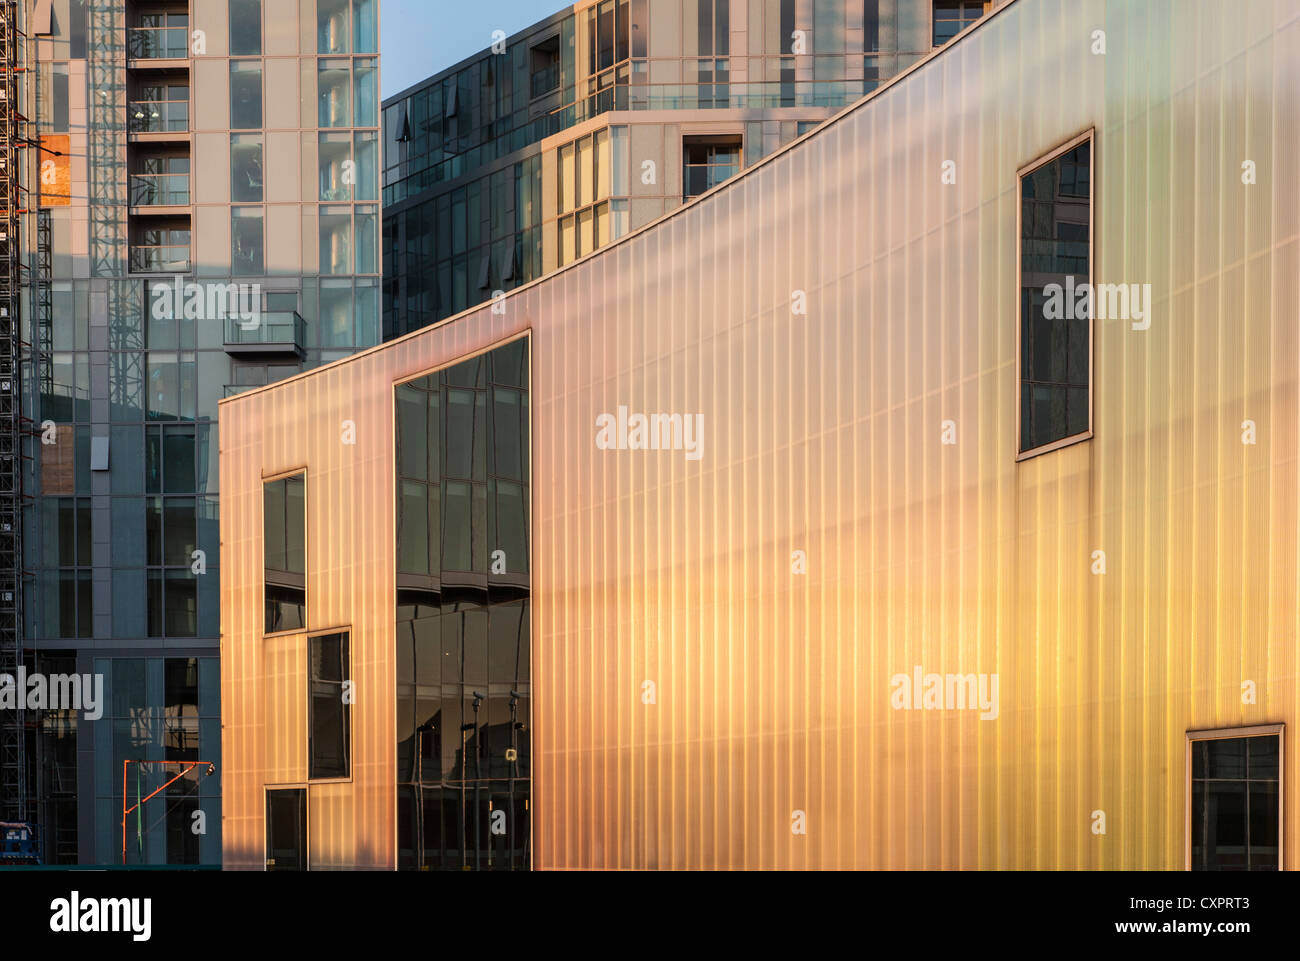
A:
161,711
463,757
285,546
1056,351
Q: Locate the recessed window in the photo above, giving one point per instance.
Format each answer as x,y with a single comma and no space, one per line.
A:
707,162
160,179
330,706
544,66
1056,301
284,526
1235,814
951,17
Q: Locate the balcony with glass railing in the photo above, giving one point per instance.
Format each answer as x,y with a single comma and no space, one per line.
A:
158,43
272,332
701,178
170,259
545,81
158,116
160,190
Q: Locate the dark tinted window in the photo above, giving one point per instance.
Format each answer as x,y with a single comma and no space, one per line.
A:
1055,320
1235,812
286,830
331,710
284,523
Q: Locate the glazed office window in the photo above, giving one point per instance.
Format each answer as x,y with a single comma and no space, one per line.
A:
330,704
284,526
1235,812
951,17
69,599
172,393
171,539
245,28
1056,329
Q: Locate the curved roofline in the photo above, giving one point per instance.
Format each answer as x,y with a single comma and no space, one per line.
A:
644,228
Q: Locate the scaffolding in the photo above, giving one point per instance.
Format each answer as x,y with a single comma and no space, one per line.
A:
106,144
13,767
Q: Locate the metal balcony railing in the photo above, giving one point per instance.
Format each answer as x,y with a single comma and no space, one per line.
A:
160,190
171,259
275,331
158,43
158,116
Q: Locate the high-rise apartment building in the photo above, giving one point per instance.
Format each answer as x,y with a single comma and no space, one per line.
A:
608,115
202,217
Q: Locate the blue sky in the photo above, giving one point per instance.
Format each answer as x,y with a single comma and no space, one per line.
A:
421,37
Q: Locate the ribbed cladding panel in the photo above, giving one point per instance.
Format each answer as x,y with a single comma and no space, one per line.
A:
823,435
312,422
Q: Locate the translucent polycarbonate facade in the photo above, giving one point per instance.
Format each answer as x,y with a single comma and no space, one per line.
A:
735,613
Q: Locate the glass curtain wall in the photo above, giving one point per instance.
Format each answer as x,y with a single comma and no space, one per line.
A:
463,758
